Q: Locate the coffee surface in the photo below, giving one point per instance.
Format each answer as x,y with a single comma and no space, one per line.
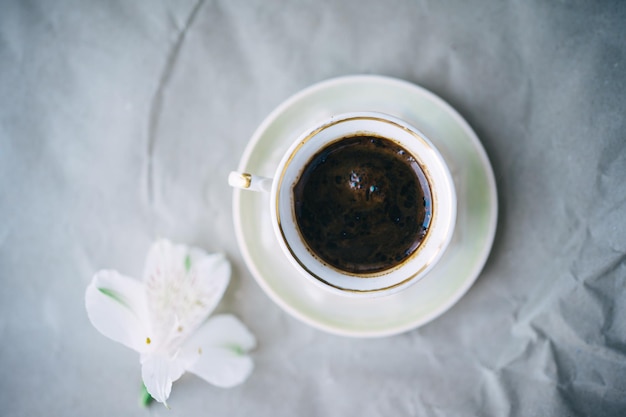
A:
362,204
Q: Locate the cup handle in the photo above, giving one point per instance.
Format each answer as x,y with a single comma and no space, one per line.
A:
250,182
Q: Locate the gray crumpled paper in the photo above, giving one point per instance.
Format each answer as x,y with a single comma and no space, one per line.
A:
119,122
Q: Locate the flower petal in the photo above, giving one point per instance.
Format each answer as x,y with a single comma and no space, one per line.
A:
224,330
183,286
165,259
222,367
216,352
213,272
158,373
116,307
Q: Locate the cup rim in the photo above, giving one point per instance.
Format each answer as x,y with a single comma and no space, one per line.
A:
392,279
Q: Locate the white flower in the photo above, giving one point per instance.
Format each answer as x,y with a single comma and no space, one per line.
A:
163,318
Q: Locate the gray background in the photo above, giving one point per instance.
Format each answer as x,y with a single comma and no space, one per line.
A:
120,120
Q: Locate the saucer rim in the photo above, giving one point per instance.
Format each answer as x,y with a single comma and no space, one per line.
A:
480,258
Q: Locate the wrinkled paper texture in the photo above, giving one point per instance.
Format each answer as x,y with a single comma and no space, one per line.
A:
119,123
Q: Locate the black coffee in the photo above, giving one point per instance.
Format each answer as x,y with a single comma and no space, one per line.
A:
362,204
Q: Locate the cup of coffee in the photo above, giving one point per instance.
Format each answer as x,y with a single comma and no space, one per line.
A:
361,204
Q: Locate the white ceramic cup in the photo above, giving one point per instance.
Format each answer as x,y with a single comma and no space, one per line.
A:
282,211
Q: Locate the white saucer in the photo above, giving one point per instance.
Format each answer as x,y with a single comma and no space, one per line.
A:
445,284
